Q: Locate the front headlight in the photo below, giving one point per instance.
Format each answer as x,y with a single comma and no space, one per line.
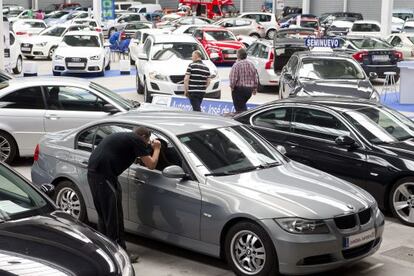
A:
156,76
303,226
123,262
97,57
57,57
42,44
375,96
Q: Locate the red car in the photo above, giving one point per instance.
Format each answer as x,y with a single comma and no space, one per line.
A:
221,44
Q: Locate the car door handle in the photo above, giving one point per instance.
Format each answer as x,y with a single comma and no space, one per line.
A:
52,117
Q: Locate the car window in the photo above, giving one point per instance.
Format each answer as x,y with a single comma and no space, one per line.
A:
292,64
72,98
12,39
278,119
54,31
85,139
396,41
147,47
165,51
27,98
219,36
105,130
251,51
262,51
265,18
365,27
330,68
370,43
317,124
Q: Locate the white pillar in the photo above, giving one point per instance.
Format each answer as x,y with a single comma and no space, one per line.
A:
1,37
241,6
386,16
35,5
306,6
274,8
345,6
97,10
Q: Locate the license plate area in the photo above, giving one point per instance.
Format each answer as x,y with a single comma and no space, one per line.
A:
76,64
358,239
380,58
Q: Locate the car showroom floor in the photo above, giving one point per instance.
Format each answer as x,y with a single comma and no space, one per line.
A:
395,257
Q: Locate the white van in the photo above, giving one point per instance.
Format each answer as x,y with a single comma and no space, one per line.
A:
145,8
122,6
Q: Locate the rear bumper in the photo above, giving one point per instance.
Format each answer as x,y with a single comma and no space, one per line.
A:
380,69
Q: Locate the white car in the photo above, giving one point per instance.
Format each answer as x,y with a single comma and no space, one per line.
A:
81,52
246,40
28,27
89,22
403,42
366,28
75,15
44,44
17,15
408,26
189,29
163,62
13,56
137,41
396,24
260,53
267,20
110,26
122,6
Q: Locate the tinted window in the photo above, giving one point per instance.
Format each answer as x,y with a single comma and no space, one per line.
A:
58,31
262,51
318,124
72,98
365,27
396,41
85,139
278,119
219,35
178,50
370,43
330,68
12,39
28,98
251,51
293,64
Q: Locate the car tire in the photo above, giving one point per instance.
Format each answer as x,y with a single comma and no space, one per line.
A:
102,72
147,94
140,87
257,36
19,65
56,74
238,239
8,148
131,61
108,67
70,200
401,200
51,52
271,34
29,57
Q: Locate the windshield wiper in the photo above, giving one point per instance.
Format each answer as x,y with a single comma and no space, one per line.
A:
246,169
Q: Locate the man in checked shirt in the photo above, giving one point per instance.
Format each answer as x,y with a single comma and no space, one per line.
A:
243,81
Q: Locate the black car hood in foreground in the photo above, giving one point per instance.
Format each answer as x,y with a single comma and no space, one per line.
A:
340,88
55,243
403,149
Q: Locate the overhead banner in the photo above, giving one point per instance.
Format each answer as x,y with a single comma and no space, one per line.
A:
108,9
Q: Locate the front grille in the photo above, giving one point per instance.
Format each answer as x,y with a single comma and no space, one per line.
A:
360,250
350,221
177,78
26,48
364,216
74,60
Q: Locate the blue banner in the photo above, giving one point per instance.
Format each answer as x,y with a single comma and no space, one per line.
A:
215,107
108,9
322,42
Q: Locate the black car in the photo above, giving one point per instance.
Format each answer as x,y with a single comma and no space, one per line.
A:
315,73
38,239
357,140
374,55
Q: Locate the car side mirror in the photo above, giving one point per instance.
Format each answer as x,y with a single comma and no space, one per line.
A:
346,141
174,172
48,189
214,56
373,75
288,76
281,149
142,56
109,108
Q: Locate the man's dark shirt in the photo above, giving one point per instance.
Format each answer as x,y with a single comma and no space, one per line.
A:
116,153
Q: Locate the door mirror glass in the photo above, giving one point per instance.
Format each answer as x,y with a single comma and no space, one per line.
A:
109,108
48,189
373,75
345,141
173,172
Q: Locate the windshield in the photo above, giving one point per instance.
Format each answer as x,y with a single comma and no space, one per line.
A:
53,31
125,104
403,15
219,36
330,68
370,43
82,40
230,150
309,24
17,198
365,27
178,50
381,125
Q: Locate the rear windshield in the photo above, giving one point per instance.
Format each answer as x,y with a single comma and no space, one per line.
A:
219,35
330,68
365,27
81,40
309,24
370,43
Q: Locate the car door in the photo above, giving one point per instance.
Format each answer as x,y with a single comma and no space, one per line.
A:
70,107
312,142
166,204
288,76
85,142
143,58
21,114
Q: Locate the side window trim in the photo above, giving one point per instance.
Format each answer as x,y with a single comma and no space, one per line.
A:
252,119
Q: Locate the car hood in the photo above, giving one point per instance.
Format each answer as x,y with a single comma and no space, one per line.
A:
342,88
296,190
403,149
227,44
40,39
180,66
67,51
58,241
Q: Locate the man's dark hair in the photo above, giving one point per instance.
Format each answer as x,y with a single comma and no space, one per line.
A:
142,132
241,53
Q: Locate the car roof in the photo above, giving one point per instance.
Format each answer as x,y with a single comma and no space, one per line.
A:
207,28
175,121
17,83
161,38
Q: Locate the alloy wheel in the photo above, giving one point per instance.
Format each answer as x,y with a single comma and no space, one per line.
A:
68,200
5,148
248,252
403,201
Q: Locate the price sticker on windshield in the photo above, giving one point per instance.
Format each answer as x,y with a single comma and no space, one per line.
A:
312,42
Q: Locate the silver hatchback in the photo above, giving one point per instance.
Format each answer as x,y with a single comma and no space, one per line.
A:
31,107
222,190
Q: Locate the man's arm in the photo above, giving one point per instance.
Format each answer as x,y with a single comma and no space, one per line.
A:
186,84
151,161
233,77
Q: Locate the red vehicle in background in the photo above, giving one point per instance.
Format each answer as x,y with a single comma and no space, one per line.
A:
221,45
212,9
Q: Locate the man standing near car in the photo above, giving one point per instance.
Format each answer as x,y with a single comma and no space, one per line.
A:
114,155
196,80
243,81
